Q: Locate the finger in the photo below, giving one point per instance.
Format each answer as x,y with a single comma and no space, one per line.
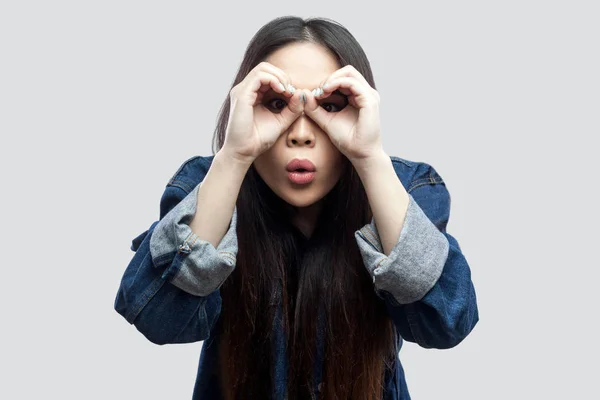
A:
349,86
348,71
260,83
294,108
280,74
315,111
359,95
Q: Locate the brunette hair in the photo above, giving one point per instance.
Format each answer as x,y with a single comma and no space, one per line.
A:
360,339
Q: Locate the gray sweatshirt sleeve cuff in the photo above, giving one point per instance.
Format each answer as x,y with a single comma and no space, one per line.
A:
415,262
203,268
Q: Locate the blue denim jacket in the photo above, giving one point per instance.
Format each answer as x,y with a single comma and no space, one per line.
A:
170,289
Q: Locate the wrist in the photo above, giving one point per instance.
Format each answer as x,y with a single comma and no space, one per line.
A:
238,160
373,161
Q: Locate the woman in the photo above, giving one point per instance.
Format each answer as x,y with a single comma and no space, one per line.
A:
300,252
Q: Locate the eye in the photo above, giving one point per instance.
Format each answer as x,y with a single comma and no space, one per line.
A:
276,104
337,100
336,108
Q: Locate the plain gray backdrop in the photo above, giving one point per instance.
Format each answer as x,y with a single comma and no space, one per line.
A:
101,102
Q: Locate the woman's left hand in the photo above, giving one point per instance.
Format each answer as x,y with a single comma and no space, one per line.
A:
355,130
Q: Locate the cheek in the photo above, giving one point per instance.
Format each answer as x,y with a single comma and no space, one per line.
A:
267,168
261,167
335,159
335,168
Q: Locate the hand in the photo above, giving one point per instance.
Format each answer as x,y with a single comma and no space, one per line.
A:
355,130
252,127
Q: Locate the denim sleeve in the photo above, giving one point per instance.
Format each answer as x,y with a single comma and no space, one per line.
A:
426,280
148,296
204,268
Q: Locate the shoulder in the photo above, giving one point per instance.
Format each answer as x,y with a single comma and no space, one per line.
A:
427,188
414,174
191,172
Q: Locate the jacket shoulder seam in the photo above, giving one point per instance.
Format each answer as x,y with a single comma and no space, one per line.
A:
179,178
404,161
429,177
175,176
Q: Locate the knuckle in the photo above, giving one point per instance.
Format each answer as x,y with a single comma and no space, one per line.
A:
263,75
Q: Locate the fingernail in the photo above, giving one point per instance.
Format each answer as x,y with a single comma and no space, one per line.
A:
325,86
303,97
282,87
291,89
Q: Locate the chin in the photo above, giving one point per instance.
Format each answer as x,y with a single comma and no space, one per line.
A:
300,200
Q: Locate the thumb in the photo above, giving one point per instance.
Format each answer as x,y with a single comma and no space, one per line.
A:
294,108
315,111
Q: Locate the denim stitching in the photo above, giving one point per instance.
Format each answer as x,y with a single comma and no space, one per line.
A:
434,182
367,232
188,237
185,189
195,239
431,179
420,180
181,185
201,303
378,245
380,261
362,235
420,184
232,259
145,298
414,325
189,160
159,260
372,232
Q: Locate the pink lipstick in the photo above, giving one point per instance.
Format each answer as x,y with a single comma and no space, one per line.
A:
301,172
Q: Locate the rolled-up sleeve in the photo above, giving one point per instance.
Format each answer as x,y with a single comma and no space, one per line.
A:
415,262
204,268
155,305
426,280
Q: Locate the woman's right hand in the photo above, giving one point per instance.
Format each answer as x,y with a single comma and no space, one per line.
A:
255,123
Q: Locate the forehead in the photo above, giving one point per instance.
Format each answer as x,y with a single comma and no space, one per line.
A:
306,64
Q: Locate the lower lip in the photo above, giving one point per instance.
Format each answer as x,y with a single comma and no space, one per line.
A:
301,178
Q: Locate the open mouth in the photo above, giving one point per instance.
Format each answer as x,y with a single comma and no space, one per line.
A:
301,176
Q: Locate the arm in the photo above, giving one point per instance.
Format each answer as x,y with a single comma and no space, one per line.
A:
170,258
201,229
425,279
387,197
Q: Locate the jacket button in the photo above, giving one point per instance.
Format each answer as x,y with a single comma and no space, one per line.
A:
184,248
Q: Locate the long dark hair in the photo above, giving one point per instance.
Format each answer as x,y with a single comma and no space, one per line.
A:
271,267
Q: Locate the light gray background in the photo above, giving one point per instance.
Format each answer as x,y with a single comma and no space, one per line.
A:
102,101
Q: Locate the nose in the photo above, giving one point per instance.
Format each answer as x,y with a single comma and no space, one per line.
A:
301,132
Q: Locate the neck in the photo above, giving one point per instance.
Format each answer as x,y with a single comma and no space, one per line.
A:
305,218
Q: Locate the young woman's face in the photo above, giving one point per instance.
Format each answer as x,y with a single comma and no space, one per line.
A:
307,66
